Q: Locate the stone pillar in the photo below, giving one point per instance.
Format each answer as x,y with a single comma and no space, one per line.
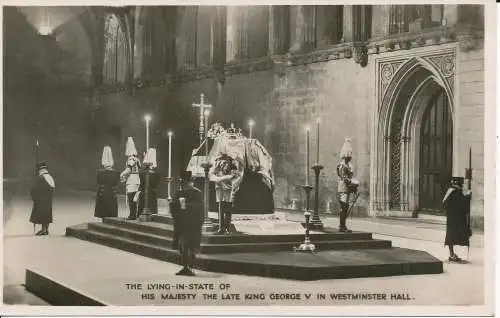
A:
309,26
348,24
297,25
436,13
279,30
380,21
139,41
243,28
219,27
204,35
191,36
451,14
232,34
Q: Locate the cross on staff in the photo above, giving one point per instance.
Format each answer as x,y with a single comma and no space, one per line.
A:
202,107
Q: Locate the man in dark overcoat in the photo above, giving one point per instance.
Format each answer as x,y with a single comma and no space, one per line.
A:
42,194
186,208
457,205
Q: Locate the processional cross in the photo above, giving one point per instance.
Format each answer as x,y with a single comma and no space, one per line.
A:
202,107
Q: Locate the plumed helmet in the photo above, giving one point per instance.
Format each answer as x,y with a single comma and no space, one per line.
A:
346,150
107,157
130,149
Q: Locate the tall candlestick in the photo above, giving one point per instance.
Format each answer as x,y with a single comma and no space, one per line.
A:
250,124
307,156
207,113
148,119
317,142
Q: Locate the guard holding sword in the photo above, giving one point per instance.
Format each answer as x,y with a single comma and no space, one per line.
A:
347,185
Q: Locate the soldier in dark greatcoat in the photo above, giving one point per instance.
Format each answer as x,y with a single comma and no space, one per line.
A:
456,203
187,211
42,193
107,180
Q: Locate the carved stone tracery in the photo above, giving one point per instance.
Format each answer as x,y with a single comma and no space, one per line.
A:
392,187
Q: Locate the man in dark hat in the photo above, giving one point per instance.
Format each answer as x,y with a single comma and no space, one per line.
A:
187,210
457,202
41,194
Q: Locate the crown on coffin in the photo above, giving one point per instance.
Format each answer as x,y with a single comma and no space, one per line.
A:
234,131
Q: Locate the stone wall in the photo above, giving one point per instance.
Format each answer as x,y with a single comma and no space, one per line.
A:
337,92
471,113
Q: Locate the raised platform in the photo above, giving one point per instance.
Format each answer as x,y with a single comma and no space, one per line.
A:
339,255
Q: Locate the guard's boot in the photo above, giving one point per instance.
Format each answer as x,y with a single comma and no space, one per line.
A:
221,219
227,218
343,216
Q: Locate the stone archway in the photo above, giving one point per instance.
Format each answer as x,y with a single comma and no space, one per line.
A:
405,85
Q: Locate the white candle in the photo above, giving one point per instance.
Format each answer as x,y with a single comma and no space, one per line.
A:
317,142
170,154
307,156
148,119
250,124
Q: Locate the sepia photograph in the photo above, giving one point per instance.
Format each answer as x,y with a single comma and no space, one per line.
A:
209,158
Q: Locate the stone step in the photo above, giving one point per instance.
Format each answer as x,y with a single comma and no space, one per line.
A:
164,229
289,265
210,248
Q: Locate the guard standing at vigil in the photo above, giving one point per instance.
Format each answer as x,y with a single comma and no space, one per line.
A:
131,177
347,185
224,173
187,211
107,180
42,194
456,203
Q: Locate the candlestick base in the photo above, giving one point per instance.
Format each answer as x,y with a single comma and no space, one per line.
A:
208,226
316,223
307,246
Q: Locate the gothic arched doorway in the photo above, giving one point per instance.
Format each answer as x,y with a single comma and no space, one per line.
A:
414,140
436,152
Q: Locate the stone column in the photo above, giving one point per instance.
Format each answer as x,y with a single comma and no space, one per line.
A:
219,29
279,30
297,26
139,42
436,13
451,14
348,24
380,21
243,28
273,34
204,35
232,34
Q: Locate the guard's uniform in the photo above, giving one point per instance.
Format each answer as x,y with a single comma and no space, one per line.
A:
225,174
346,183
186,208
132,182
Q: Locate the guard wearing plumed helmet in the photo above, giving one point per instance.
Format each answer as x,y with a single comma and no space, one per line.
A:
130,176
347,185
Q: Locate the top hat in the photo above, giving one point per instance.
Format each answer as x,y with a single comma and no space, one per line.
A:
186,175
41,165
457,180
